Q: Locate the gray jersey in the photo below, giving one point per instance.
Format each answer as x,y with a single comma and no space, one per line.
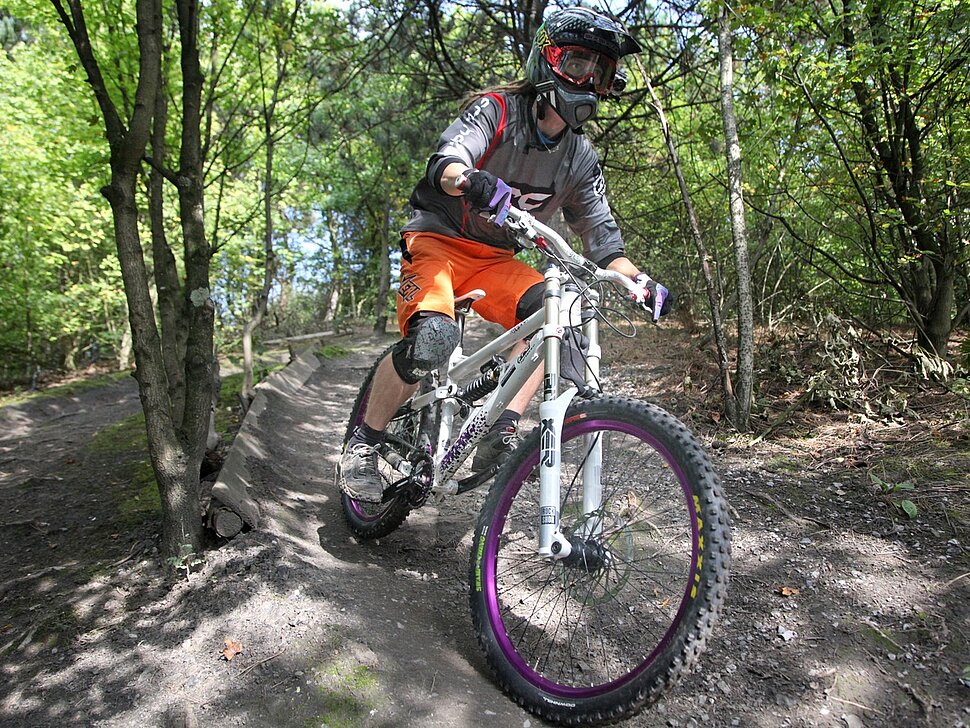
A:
567,176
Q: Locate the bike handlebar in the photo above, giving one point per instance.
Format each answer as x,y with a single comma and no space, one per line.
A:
531,233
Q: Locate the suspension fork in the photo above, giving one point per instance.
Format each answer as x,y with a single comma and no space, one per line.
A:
593,443
552,413
561,306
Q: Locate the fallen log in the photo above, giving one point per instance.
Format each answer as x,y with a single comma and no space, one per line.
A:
224,522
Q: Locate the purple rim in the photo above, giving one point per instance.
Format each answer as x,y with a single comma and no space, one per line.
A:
363,515
490,555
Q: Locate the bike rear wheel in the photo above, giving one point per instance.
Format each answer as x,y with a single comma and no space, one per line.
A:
594,638
375,520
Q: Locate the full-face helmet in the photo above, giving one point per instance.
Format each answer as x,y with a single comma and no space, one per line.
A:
573,62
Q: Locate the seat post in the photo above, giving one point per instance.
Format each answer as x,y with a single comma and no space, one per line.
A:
463,304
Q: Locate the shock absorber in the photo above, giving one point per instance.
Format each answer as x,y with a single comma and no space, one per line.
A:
485,383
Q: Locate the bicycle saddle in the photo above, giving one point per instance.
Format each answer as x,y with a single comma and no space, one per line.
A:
465,300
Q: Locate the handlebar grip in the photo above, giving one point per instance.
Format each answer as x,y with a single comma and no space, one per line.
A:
515,214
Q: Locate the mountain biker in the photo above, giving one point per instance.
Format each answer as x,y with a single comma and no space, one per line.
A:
521,144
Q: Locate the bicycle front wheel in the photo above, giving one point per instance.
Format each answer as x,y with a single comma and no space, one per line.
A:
593,638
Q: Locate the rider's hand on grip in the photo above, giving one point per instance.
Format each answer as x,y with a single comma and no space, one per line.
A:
484,191
658,300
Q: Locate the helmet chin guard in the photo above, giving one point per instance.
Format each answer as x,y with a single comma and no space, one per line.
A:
573,108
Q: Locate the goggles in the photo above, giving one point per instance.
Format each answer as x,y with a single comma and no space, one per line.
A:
582,67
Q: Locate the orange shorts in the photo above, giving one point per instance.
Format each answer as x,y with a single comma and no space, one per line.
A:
442,267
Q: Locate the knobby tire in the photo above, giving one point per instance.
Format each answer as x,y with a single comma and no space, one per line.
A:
594,642
369,520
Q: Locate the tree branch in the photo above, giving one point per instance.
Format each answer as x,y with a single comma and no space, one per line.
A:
78,32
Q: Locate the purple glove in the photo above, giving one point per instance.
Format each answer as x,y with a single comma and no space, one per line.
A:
659,300
484,191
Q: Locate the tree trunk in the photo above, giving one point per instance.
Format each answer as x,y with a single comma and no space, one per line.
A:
176,452
739,407
124,350
330,303
336,287
179,522
184,524
934,334
384,275
710,285
171,306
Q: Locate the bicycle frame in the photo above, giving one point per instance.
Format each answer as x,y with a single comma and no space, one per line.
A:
560,310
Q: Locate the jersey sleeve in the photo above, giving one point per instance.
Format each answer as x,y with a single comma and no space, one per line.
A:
588,213
467,139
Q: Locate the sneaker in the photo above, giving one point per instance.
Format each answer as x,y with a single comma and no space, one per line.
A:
359,477
495,448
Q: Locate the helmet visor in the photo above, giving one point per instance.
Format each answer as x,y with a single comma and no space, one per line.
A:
582,67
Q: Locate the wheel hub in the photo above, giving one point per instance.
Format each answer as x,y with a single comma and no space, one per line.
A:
586,555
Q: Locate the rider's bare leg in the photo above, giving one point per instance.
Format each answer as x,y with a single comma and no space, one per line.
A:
387,393
522,398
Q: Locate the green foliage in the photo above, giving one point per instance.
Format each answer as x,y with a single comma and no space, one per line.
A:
62,304
140,501
133,490
348,691
186,560
11,31
362,92
965,356
125,436
333,351
909,508
19,394
889,489
880,181
845,376
228,413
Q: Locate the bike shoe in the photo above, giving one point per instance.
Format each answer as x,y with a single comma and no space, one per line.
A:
495,448
359,477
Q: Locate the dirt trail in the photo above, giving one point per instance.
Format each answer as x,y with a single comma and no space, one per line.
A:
840,612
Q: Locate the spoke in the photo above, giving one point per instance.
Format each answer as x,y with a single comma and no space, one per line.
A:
634,565
599,633
509,587
543,632
537,606
585,625
571,640
552,640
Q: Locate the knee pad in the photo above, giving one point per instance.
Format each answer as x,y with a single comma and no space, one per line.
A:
431,339
530,302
